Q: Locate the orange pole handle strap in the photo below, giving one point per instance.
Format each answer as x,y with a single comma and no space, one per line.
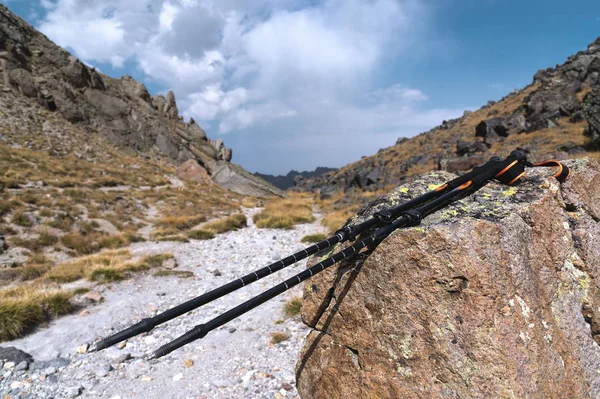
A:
563,170
511,174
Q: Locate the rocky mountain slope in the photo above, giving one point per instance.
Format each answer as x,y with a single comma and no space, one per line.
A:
48,94
284,182
556,116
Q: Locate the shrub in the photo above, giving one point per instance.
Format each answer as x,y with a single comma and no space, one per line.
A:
180,222
84,266
46,212
176,273
200,235
233,222
293,307
155,260
22,219
278,337
314,238
7,206
33,271
21,308
167,235
106,275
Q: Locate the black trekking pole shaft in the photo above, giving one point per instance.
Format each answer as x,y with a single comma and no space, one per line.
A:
344,234
201,330
412,217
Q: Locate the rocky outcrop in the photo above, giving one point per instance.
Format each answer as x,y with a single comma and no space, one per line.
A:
234,177
190,170
496,296
122,110
591,112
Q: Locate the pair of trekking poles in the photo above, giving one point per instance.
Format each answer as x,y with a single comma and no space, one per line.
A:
507,171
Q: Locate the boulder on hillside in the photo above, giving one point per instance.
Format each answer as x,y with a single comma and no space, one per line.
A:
191,170
501,127
591,110
474,147
495,296
23,81
462,164
235,178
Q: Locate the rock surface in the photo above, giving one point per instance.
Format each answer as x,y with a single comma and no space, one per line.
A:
496,296
42,83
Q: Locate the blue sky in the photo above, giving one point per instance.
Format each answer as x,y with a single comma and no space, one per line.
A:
295,84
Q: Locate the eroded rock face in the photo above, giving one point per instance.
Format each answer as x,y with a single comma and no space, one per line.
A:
496,296
122,110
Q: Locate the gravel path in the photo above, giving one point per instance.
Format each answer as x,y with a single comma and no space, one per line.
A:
234,361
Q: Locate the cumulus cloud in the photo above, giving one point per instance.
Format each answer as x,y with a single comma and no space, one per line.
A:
278,70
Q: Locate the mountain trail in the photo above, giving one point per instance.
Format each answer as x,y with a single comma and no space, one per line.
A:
235,361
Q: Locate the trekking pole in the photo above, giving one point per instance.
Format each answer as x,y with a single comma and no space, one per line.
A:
508,171
344,234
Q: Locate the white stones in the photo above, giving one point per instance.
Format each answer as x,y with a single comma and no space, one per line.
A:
72,392
178,377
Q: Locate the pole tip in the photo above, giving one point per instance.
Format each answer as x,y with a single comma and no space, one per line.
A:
152,356
93,348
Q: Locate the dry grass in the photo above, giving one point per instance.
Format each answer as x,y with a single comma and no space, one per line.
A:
546,140
293,307
7,206
200,235
104,267
96,241
285,213
20,218
44,239
314,238
581,95
230,223
175,273
180,222
250,202
168,235
336,219
277,337
22,308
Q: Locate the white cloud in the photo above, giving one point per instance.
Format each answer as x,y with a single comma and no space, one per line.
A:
275,69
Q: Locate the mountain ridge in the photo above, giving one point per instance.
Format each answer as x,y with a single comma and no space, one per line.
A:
41,82
283,182
556,116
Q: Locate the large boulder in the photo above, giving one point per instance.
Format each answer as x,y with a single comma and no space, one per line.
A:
233,177
106,105
495,296
23,81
